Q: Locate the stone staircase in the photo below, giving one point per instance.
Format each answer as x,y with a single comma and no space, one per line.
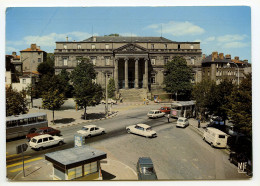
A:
132,95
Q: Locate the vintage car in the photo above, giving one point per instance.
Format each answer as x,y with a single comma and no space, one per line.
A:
44,130
145,169
155,114
182,122
46,140
141,129
91,130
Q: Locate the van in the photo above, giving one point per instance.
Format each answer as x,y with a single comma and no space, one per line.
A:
215,137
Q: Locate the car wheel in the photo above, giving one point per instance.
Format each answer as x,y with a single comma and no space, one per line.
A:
103,132
60,143
89,136
211,144
204,139
128,131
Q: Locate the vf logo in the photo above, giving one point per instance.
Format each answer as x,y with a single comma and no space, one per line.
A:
241,167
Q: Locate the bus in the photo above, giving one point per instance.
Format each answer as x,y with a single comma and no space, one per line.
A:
21,125
183,109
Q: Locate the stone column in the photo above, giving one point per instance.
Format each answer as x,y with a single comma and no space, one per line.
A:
126,73
116,74
136,73
146,73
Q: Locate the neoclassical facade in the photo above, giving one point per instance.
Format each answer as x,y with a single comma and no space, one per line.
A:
133,62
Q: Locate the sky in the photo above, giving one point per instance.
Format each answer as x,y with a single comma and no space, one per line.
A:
226,29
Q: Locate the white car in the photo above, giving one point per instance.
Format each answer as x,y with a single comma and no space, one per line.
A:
141,129
109,101
91,130
46,140
182,122
155,114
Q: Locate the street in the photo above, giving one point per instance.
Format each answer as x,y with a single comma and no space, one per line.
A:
177,153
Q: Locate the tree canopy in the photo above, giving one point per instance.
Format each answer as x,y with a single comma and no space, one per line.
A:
111,88
15,102
86,91
178,77
47,67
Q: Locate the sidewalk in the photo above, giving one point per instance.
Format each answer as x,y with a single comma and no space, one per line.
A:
111,170
194,123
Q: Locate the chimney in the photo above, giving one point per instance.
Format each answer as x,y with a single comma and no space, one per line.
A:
221,55
214,56
38,47
237,58
33,46
203,56
94,39
14,54
245,61
228,56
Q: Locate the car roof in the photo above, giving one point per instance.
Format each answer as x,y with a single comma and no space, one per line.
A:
165,107
89,126
154,110
143,125
217,131
182,118
42,136
145,160
43,128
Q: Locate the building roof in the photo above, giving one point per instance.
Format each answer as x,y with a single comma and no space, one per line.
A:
74,157
31,50
126,39
209,59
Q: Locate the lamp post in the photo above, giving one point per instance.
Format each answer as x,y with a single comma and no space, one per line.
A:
237,72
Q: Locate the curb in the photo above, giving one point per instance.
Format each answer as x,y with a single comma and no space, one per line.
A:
85,121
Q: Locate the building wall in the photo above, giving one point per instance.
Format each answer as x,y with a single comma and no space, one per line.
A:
30,60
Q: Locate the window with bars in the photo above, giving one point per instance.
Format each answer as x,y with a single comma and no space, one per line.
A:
65,61
79,46
93,46
153,61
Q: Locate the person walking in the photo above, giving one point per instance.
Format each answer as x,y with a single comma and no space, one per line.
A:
198,123
168,116
144,101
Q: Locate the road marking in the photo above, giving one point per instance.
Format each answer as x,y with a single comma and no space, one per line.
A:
12,155
27,161
19,169
17,159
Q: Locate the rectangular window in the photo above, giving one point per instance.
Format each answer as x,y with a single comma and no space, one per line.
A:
191,46
153,61
152,46
192,61
93,46
39,60
75,172
93,59
65,46
107,60
153,78
166,60
107,46
79,46
90,168
165,46
179,46
65,61
24,81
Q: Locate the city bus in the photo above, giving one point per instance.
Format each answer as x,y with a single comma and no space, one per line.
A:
21,125
183,109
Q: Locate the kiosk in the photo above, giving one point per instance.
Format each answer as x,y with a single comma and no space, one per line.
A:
79,163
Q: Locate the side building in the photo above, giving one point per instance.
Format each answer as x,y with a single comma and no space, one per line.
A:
133,62
217,67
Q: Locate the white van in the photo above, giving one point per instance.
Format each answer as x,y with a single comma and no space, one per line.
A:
215,137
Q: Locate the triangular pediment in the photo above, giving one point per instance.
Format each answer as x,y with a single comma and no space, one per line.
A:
131,47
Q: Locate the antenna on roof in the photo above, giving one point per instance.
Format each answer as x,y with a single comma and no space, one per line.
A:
67,38
92,30
161,30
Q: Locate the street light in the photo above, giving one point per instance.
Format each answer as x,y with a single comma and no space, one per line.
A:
237,72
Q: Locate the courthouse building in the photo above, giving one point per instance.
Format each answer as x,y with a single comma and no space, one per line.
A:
133,62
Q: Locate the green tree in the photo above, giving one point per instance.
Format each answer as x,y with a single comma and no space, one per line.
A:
15,102
30,90
65,83
178,77
111,88
86,92
47,67
240,106
204,93
52,100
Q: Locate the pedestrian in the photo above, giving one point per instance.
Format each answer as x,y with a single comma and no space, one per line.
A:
168,116
198,123
144,101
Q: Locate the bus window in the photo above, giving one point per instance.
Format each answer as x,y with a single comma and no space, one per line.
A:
41,118
32,120
11,124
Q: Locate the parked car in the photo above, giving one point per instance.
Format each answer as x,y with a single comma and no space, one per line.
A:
109,101
215,137
141,129
182,122
165,110
155,114
46,140
44,130
145,169
91,130
237,158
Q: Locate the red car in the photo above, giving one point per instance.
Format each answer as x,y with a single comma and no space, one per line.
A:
44,130
166,110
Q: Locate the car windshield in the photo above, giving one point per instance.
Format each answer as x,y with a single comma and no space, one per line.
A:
162,108
39,131
151,112
149,129
221,136
180,120
84,128
33,140
147,170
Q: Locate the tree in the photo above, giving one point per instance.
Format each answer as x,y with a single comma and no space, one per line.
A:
240,106
47,67
86,92
178,77
65,83
15,102
30,90
52,100
111,88
204,93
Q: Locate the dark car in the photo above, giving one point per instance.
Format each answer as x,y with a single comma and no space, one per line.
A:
239,158
145,169
44,130
166,110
